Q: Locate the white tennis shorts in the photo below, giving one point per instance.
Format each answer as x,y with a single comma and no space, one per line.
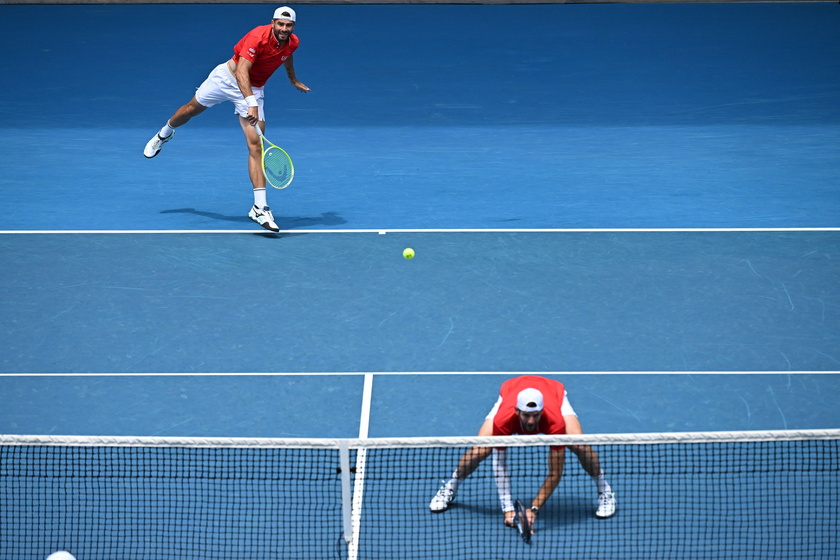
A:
221,86
565,409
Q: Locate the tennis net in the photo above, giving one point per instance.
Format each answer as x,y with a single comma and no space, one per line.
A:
714,495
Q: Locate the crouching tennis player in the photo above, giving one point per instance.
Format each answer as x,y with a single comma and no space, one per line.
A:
529,404
240,80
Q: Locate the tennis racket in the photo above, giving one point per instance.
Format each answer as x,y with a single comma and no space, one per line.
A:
521,520
277,166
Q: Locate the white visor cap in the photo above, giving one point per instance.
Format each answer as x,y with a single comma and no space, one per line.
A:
285,13
61,555
529,400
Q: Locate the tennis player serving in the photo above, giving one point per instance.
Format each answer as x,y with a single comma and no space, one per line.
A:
529,404
240,80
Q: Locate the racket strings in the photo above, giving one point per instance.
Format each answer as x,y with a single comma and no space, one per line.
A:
278,167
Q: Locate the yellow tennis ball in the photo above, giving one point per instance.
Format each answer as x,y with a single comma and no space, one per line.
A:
408,253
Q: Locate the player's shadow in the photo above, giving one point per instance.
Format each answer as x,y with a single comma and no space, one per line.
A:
285,222
563,513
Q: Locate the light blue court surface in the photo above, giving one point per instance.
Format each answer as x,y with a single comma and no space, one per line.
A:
596,117
403,405
489,301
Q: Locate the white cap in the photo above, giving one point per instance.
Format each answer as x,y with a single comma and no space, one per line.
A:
61,555
529,400
285,13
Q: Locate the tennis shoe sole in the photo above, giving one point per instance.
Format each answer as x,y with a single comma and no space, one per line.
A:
264,218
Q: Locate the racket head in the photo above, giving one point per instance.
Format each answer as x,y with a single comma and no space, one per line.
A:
277,166
521,519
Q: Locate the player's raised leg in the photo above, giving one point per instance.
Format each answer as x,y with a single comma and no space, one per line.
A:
165,134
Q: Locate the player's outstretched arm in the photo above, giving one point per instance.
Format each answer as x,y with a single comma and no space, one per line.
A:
556,458
290,71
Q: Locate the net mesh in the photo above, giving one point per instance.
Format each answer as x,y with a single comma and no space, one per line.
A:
747,495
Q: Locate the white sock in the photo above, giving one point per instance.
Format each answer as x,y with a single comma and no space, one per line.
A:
453,482
601,482
166,131
259,198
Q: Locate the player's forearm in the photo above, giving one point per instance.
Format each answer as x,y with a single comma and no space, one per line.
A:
556,460
290,69
243,80
546,490
502,479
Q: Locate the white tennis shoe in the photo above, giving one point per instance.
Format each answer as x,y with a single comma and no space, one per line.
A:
263,217
442,499
606,505
154,145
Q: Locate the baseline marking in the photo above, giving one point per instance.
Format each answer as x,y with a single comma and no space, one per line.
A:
369,377
385,231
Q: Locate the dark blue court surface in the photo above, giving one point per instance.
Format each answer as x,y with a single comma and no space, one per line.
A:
711,115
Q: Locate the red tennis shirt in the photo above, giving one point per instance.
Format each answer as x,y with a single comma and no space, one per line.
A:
506,422
261,48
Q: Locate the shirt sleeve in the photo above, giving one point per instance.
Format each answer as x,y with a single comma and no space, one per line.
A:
249,47
494,410
566,408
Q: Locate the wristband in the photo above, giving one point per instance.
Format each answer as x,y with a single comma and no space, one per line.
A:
251,101
535,509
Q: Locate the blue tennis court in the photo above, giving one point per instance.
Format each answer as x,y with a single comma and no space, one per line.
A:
574,150
639,200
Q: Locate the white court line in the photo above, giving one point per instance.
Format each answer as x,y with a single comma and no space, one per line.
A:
359,481
367,393
363,425
432,230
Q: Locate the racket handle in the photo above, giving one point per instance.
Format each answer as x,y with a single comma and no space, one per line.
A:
259,131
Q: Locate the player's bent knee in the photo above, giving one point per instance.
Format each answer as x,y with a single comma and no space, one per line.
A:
580,449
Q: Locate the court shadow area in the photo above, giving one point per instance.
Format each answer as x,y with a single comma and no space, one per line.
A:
558,514
327,219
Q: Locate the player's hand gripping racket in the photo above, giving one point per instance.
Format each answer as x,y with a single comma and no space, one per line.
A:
521,520
277,166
